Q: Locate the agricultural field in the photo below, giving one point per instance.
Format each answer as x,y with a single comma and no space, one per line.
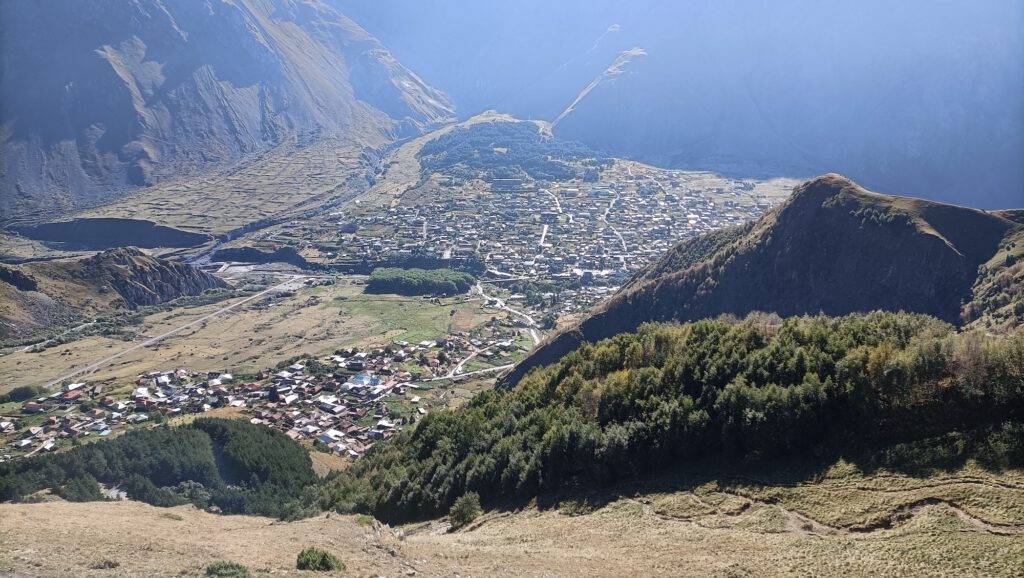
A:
288,180
282,324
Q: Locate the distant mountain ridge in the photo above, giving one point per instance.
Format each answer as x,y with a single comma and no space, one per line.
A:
98,97
832,247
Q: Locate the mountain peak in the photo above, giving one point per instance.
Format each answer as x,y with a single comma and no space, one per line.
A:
830,182
833,247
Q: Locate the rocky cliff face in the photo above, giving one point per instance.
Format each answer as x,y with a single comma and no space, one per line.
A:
143,280
101,96
41,296
832,248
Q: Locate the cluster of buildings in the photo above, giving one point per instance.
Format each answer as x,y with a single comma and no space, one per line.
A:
75,411
342,403
582,234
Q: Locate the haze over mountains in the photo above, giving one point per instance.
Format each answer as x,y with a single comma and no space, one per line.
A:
918,97
101,96
116,95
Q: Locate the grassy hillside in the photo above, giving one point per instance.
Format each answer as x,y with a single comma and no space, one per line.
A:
966,522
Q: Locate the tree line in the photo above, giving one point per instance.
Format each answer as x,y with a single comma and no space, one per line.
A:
230,466
419,281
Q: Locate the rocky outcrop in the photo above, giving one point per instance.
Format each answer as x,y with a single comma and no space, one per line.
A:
42,296
143,280
18,279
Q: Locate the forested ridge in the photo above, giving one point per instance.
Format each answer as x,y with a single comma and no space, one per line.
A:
503,150
832,247
231,466
667,395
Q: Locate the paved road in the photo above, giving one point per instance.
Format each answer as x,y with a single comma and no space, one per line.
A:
530,322
611,205
458,368
612,227
558,204
152,340
472,373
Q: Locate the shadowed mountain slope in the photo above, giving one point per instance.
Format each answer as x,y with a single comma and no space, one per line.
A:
98,97
832,247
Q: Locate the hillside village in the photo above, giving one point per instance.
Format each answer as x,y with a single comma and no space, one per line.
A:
587,236
541,249
342,403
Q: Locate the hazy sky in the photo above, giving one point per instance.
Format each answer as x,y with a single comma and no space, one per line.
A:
915,97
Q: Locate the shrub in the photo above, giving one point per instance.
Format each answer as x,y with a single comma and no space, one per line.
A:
318,560
23,393
575,508
464,510
222,569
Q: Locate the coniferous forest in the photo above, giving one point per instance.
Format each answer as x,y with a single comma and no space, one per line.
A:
230,466
751,391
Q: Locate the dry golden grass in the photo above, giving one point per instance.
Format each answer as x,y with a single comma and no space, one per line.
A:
714,528
69,540
286,180
247,339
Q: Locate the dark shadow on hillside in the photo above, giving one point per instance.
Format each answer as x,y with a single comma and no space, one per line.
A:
996,449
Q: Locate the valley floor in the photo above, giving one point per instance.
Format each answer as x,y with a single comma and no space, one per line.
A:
846,523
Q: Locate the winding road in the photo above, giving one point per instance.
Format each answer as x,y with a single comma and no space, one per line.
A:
94,366
531,323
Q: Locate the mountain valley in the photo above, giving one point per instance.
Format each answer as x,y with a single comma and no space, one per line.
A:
322,287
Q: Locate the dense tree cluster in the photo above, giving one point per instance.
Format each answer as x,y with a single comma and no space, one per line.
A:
507,150
317,560
749,390
419,281
23,393
232,466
